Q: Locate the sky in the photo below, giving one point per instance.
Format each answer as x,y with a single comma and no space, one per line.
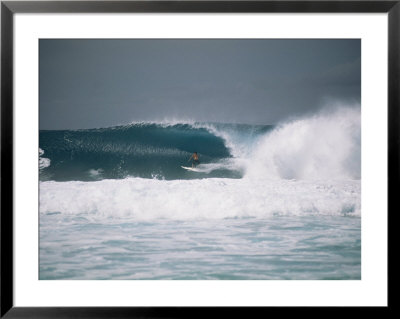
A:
88,83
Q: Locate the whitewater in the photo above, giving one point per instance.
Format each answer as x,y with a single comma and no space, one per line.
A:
268,201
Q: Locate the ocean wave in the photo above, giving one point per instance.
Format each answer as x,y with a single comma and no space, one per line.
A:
139,150
326,145
147,199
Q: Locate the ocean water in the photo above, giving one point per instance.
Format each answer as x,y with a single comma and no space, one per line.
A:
279,202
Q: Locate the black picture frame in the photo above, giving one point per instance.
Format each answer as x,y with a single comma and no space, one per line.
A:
9,8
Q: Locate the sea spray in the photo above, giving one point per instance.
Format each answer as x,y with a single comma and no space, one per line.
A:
324,146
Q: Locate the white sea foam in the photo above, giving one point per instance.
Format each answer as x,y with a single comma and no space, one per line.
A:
144,199
96,173
324,146
43,162
229,164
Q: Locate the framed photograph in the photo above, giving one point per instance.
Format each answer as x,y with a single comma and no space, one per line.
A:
173,158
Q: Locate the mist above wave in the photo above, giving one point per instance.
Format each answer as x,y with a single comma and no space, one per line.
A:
324,146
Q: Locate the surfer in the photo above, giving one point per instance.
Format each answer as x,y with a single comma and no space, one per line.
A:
195,158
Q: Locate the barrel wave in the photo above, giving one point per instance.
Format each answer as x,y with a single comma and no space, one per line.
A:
146,150
324,146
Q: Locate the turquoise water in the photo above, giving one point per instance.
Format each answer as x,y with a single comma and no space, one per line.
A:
276,248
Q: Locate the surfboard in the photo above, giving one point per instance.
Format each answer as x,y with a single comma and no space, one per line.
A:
193,169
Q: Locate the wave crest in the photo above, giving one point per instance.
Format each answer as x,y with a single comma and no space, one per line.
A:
325,146
147,199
